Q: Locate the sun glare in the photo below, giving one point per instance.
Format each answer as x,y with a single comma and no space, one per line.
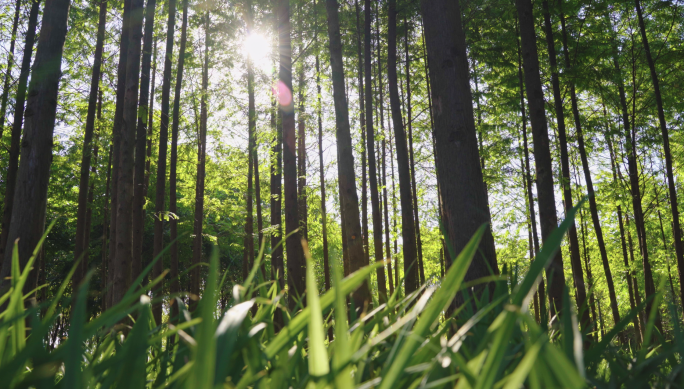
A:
258,48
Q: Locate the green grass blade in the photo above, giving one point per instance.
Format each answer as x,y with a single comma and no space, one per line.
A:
318,356
441,299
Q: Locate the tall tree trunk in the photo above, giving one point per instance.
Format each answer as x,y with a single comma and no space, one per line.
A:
173,164
370,148
408,228
541,292
677,232
575,260
295,255
593,208
91,190
248,251
141,142
381,103
19,100
542,152
277,266
116,141
590,279
637,295
628,274
394,208
633,171
301,145
160,195
324,215
462,190
345,165
30,196
201,159
362,120
10,65
150,123
105,238
412,163
124,214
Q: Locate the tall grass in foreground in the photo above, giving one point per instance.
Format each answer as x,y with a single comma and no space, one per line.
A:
409,342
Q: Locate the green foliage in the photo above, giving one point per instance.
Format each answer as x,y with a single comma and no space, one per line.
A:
419,341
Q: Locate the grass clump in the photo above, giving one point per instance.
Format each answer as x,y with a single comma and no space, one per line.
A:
414,341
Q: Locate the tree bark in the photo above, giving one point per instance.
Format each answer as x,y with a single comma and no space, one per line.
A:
462,190
590,278
30,196
105,238
324,215
362,120
628,274
116,143
160,195
677,232
150,122
408,229
412,164
345,165
173,164
593,208
277,266
201,160
385,204
248,252
527,172
370,148
295,255
91,194
542,153
19,100
575,260
637,296
10,65
141,142
301,145
124,214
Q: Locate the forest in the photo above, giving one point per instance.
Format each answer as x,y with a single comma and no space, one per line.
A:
341,193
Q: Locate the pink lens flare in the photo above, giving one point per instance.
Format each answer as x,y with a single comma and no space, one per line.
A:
282,93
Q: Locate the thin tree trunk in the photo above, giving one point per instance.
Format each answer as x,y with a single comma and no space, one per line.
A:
124,213
8,69
394,207
541,293
370,148
677,232
542,152
30,196
462,190
593,208
381,103
637,295
91,190
324,215
590,279
628,274
277,266
160,195
301,147
104,289
201,159
295,255
19,100
141,142
408,228
362,120
116,141
173,164
150,124
345,165
575,260
248,250
412,163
